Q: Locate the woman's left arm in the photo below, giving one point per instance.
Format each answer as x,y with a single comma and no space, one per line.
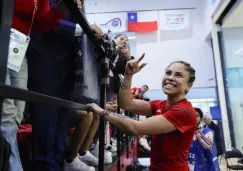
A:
153,125
172,120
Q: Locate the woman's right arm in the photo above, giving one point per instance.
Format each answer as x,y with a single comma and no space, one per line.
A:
129,104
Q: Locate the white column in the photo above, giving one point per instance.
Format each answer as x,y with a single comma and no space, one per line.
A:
221,88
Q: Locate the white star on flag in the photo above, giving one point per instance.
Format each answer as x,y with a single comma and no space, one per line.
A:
132,17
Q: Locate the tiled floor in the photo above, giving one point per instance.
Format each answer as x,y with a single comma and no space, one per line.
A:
223,165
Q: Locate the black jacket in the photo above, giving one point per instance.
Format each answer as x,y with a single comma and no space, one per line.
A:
217,137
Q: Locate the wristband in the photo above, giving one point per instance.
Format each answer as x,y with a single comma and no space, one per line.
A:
125,87
105,114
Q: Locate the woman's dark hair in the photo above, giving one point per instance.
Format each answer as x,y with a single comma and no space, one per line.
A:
199,111
189,69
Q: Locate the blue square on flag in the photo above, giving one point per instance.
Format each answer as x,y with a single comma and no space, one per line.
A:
132,17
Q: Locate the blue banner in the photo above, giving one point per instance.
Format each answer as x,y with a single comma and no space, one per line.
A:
215,112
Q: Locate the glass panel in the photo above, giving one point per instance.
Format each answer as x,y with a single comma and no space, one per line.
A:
232,39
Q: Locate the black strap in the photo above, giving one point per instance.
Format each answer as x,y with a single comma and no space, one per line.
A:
33,97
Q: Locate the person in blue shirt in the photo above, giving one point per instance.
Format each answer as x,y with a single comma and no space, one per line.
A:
203,153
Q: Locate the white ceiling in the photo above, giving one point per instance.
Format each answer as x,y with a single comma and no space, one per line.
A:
234,17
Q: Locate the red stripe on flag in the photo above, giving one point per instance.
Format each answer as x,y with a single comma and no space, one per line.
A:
142,26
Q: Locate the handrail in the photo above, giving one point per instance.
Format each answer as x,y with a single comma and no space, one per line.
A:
11,92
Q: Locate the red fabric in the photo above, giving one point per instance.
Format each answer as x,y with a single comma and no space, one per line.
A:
135,92
142,26
170,151
26,128
24,132
45,18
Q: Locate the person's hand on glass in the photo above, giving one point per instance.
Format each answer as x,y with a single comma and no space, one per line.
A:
133,66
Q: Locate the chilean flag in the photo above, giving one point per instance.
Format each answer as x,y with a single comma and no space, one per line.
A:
141,22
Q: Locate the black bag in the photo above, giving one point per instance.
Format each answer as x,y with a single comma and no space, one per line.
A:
5,150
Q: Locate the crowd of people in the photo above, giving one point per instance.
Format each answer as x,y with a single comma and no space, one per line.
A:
46,66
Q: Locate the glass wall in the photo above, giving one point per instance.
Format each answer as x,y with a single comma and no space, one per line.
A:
232,44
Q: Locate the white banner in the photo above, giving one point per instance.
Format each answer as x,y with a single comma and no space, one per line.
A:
115,22
174,19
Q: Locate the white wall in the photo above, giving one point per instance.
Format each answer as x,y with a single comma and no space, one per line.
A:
100,6
206,9
167,46
164,47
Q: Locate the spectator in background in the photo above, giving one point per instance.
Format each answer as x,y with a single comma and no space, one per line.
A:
29,16
79,157
124,53
111,139
217,135
203,153
138,93
144,144
121,44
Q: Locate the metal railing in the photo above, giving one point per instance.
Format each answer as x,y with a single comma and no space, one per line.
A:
6,7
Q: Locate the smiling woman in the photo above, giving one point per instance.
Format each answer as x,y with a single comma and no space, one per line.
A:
174,120
180,66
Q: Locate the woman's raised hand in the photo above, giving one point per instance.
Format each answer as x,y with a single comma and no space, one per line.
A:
134,66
